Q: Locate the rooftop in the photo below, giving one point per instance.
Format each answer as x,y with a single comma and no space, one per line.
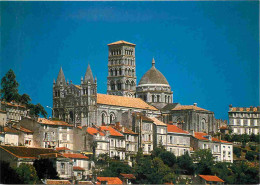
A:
54,123
52,181
123,101
243,109
27,152
201,136
157,122
175,129
94,131
109,180
75,156
211,178
78,168
10,130
121,42
128,176
61,148
188,107
111,130
22,129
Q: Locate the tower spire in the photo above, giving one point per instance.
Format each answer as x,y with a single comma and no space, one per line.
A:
61,78
153,62
89,75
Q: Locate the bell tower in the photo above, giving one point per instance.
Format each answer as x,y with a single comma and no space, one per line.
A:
121,79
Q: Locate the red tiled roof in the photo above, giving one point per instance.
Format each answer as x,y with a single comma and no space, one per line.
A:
111,130
125,130
121,42
2,111
188,107
51,122
22,129
222,141
61,148
10,130
175,129
77,168
123,101
50,181
13,104
200,136
128,176
75,156
94,131
211,178
26,152
109,180
157,122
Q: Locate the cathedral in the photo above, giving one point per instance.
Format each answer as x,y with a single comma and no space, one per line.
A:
81,104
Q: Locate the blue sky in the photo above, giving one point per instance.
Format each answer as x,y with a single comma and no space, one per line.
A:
208,51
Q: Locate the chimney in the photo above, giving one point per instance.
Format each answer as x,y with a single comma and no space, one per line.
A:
195,104
117,125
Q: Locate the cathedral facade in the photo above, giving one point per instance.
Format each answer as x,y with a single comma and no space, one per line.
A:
81,104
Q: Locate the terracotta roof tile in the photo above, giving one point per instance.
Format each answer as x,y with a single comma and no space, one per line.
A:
109,180
61,148
50,181
75,156
12,104
3,111
52,122
111,130
27,152
188,107
121,42
78,168
128,176
211,178
94,131
200,136
157,122
222,141
10,130
22,129
175,129
123,101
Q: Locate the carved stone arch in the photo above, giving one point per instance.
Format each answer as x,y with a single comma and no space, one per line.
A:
112,117
203,124
103,117
112,85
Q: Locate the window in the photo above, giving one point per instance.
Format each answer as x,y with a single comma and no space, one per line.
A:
152,98
103,118
158,98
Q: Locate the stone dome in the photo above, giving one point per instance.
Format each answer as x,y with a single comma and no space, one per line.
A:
153,76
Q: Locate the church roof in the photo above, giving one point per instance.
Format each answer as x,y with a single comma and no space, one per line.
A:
153,76
122,101
61,77
89,75
121,42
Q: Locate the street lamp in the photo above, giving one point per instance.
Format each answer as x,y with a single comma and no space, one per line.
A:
51,109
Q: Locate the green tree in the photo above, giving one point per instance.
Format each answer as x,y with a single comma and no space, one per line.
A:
168,158
27,173
9,85
144,171
36,110
24,99
204,161
185,163
115,168
222,170
162,173
237,152
250,155
45,169
8,175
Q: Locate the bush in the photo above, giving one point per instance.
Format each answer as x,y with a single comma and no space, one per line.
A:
237,152
250,156
252,147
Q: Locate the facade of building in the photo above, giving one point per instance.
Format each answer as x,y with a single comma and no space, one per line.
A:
11,136
226,151
14,111
25,136
159,133
178,140
243,120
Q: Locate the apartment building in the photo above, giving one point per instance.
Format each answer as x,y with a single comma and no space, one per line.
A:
244,120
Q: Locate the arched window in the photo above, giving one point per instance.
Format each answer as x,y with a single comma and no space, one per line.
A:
158,98
111,72
125,72
118,85
115,72
71,116
133,72
120,71
129,72
203,124
111,118
168,99
152,98
112,86
103,117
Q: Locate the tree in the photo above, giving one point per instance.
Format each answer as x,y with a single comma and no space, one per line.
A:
237,152
115,168
8,175
250,155
162,172
168,158
9,85
185,163
222,170
36,110
204,161
45,169
27,173
24,99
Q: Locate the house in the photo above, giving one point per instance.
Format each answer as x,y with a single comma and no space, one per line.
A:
144,127
201,140
127,178
116,142
159,132
108,180
49,133
82,166
25,135
208,179
16,155
14,111
11,136
226,151
178,140
131,143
